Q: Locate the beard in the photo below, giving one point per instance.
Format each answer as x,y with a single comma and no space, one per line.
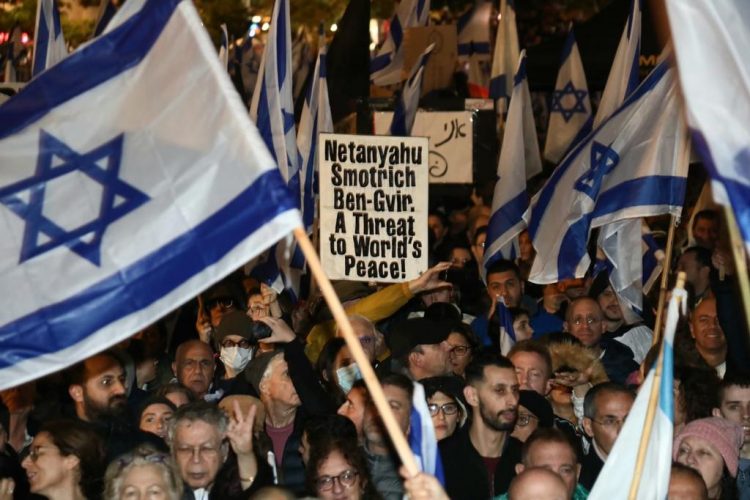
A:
502,421
114,407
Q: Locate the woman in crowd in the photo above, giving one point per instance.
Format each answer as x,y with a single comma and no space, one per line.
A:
337,370
64,461
155,414
463,343
711,446
445,402
142,474
337,469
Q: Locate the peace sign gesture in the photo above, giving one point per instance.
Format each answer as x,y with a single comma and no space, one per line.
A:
240,436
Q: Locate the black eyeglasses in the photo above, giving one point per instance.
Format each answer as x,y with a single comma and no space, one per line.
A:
345,479
243,344
460,350
524,419
447,409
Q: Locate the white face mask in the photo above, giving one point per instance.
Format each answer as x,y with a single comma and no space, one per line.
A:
235,357
347,375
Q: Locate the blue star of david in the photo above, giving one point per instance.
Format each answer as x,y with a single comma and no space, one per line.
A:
603,160
118,197
578,105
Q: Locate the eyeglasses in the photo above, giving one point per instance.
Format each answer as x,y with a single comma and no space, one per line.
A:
525,419
447,409
34,452
224,302
227,343
345,479
610,421
460,350
578,321
152,458
366,340
257,309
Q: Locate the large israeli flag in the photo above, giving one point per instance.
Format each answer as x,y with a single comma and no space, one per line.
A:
570,109
316,119
623,76
49,42
422,440
712,42
505,57
633,165
387,67
126,190
272,109
408,101
615,478
474,46
106,12
519,160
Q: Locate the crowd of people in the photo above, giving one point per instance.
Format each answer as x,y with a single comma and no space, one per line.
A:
241,393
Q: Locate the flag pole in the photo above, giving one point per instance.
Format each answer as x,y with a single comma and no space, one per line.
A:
740,264
650,412
368,374
664,281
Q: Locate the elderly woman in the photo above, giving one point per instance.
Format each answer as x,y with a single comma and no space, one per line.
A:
446,404
143,474
712,447
64,461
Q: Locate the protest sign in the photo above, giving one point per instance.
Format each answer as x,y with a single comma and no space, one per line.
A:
438,74
373,207
451,136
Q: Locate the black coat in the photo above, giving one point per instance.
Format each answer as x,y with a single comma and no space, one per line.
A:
465,473
590,469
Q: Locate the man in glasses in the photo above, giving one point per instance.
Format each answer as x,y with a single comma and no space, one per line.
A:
584,319
420,348
605,408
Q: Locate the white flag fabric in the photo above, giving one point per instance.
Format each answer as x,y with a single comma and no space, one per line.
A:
712,42
49,42
623,76
519,160
633,165
316,119
126,191
505,58
570,110
615,477
422,439
387,67
224,47
408,101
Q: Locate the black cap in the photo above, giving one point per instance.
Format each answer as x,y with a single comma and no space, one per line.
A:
410,333
234,323
538,406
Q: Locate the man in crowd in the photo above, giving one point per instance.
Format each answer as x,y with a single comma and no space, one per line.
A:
194,367
734,405
420,348
706,229
585,321
479,459
605,408
695,262
537,483
710,341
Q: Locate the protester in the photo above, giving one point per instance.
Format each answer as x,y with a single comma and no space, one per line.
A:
463,342
446,403
194,368
709,336
534,412
537,483
734,404
705,229
355,407
155,414
686,483
420,348
143,473
338,470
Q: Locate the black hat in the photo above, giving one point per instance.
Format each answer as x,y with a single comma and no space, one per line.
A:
257,367
410,333
234,323
539,406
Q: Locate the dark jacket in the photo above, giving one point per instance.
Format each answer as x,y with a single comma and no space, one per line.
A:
617,360
465,473
227,485
590,469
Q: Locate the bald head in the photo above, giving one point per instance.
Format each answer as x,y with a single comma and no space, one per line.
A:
194,366
537,483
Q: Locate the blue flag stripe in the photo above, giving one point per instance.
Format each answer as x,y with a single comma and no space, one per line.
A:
73,75
149,279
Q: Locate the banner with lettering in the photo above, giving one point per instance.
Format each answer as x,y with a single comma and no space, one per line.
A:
373,207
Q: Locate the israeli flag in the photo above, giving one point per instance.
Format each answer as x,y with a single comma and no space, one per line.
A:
49,42
408,102
617,474
107,11
316,119
652,258
633,165
505,58
712,46
519,160
570,109
224,47
387,66
422,440
474,47
272,110
623,76
507,332
126,191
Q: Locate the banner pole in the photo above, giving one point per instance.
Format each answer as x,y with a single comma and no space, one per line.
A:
664,280
648,425
368,374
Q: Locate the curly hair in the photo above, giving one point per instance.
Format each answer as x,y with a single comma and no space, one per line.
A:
142,456
699,391
327,444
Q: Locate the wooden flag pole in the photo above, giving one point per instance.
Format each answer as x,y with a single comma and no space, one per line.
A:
650,414
664,280
368,374
740,264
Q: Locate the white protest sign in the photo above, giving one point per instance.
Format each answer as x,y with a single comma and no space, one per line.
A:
451,135
373,207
